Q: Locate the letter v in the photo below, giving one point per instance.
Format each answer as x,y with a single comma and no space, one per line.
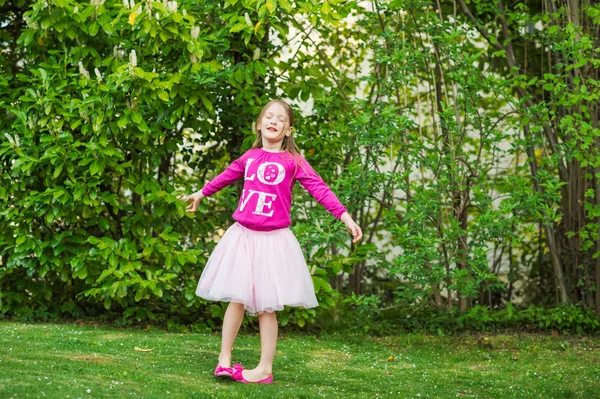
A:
245,200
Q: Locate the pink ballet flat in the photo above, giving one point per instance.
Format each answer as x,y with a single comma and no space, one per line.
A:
237,375
221,371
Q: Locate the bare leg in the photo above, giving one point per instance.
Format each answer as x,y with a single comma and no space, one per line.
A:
231,325
268,342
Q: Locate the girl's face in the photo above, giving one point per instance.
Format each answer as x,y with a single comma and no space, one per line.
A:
274,124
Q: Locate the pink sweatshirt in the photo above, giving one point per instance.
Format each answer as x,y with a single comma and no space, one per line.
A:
268,181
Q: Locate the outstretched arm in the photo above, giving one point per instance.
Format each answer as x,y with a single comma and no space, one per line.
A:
233,172
313,183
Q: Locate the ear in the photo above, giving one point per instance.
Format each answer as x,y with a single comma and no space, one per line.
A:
289,131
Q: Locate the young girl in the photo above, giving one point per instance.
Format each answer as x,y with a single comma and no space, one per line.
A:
258,266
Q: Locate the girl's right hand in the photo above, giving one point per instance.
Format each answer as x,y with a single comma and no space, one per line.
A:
195,198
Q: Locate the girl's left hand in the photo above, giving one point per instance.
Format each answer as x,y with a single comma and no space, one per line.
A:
352,227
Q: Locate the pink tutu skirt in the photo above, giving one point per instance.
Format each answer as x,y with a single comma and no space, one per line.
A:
264,270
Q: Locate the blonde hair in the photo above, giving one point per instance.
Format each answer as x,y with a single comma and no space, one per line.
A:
288,144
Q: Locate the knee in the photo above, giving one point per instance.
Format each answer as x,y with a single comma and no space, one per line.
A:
236,306
267,315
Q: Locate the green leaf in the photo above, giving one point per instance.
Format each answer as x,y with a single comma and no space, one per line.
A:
58,170
285,5
239,76
122,122
206,102
163,95
93,28
137,118
260,68
139,188
46,22
239,26
305,95
79,191
95,168
161,209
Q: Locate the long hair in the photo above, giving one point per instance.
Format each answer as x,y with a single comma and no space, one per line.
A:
288,144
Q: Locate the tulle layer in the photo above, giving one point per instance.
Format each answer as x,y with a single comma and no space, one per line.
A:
264,270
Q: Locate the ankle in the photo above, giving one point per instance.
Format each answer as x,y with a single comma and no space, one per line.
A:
225,360
265,370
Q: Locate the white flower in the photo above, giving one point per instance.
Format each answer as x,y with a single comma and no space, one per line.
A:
157,16
184,12
131,4
98,75
89,391
195,32
126,3
133,58
115,51
17,141
83,71
248,20
32,25
9,137
173,6
165,4
193,58
256,53
75,10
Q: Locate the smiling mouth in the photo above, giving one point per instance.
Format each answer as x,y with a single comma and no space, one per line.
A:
272,129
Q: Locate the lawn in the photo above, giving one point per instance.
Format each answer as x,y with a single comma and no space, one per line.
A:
88,361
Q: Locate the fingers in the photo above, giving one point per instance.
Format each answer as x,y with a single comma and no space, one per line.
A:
193,206
358,234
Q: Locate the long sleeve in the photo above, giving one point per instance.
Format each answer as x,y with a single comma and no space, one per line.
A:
232,173
313,183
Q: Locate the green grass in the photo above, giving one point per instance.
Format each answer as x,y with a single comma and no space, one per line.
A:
83,361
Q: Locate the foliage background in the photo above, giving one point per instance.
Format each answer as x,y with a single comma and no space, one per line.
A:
462,137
